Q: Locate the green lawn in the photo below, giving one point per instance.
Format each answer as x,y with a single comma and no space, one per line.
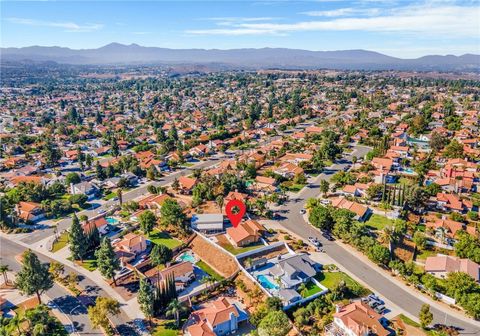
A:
61,242
233,250
89,264
110,196
311,289
331,279
424,254
160,237
378,222
296,187
207,269
168,328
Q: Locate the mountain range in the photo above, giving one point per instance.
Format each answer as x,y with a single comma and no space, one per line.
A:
264,58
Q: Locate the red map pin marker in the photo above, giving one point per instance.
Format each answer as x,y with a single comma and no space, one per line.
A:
235,210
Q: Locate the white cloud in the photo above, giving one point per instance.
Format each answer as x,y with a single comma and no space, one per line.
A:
343,12
425,20
70,27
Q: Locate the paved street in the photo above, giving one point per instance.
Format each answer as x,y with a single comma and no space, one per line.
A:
293,220
68,304
64,224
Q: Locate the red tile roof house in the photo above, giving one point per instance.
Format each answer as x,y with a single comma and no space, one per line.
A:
449,227
356,319
220,317
361,212
100,223
129,247
30,211
441,265
358,189
153,201
245,233
451,202
187,184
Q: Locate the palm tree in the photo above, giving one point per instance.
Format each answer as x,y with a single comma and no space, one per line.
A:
175,308
302,289
39,329
16,322
4,269
388,236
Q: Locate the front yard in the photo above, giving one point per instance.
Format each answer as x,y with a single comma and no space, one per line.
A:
332,279
160,237
379,222
61,242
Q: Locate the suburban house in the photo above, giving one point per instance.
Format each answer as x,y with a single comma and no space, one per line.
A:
361,212
87,188
100,223
440,265
187,184
288,170
153,201
130,246
182,274
207,223
452,202
220,317
30,211
293,270
245,233
356,319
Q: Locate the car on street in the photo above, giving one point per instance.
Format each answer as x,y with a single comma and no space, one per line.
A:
101,211
328,236
302,211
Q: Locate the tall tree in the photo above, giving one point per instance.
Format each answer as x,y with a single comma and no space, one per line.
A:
4,269
175,308
146,298
77,239
425,316
107,261
147,221
276,323
172,214
34,277
100,313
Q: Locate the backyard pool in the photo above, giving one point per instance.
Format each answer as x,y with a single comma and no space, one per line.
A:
265,282
187,256
112,221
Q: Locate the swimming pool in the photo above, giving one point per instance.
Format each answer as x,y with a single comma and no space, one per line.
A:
111,220
187,256
265,282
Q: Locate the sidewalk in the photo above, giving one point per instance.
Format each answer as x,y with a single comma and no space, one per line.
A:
386,274
130,307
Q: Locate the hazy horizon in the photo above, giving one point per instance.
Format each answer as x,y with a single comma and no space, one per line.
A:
404,29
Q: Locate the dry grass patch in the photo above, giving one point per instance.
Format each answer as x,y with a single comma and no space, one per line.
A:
221,262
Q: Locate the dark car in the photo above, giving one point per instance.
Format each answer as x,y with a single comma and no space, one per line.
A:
328,236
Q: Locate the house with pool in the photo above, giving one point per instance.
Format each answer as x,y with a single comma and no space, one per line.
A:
290,276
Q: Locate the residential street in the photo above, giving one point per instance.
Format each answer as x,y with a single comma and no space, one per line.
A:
68,304
293,220
64,224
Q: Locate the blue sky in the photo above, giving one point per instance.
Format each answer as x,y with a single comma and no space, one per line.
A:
398,28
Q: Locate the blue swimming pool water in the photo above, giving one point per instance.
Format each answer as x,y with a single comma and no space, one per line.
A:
111,220
266,283
185,256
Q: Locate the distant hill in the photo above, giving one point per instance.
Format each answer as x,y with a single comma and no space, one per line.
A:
282,58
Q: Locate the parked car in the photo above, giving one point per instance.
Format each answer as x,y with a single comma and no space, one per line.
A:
380,308
328,236
302,211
